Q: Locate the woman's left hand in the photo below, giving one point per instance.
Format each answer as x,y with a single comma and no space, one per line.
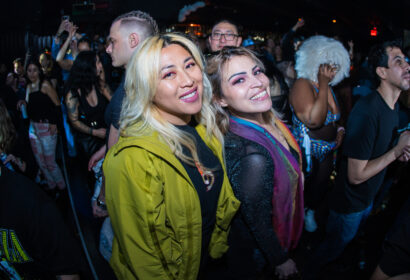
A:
16,161
339,137
98,212
287,269
53,129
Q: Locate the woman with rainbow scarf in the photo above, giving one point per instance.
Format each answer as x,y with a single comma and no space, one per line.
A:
263,164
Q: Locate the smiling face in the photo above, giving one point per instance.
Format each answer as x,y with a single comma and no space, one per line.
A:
245,88
180,87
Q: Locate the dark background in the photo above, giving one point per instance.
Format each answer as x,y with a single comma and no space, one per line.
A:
354,19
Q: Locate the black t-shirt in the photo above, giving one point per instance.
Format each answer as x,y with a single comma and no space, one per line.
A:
371,132
396,251
38,242
113,110
93,116
207,198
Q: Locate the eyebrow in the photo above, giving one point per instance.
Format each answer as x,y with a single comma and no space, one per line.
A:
172,65
241,73
229,32
236,74
399,57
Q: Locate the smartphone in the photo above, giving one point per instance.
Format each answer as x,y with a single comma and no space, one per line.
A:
65,17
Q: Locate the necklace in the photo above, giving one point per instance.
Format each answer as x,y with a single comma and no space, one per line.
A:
207,176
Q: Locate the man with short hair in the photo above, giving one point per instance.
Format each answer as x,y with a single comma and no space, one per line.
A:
369,147
224,33
126,33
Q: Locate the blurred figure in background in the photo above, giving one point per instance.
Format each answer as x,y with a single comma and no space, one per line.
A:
43,111
224,33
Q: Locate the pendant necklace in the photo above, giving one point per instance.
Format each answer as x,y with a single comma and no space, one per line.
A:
207,176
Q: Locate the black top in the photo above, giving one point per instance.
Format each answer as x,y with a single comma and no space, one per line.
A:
396,250
40,108
252,239
93,116
31,222
371,132
113,111
208,199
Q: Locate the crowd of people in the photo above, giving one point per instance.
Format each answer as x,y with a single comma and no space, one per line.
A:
204,163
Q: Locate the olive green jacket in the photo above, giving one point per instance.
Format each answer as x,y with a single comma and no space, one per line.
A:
155,210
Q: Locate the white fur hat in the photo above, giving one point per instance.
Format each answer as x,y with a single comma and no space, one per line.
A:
318,50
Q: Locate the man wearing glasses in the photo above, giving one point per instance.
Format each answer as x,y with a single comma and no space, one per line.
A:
224,33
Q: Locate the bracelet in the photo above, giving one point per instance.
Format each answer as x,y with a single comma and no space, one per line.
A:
341,128
101,204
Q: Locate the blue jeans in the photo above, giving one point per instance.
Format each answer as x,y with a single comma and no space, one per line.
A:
340,230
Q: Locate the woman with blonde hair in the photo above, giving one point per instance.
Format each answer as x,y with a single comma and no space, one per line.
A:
167,193
263,162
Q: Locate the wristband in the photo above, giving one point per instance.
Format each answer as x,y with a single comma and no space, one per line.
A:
341,128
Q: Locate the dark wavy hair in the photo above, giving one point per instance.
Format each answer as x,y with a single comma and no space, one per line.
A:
378,57
7,130
40,71
83,74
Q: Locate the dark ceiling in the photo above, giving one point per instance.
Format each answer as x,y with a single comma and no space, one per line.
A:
259,14
354,18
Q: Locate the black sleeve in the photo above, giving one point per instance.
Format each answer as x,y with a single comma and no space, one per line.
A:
252,184
288,51
396,251
53,244
116,105
39,226
360,136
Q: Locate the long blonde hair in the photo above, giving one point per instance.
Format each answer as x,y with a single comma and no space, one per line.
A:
141,86
214,71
